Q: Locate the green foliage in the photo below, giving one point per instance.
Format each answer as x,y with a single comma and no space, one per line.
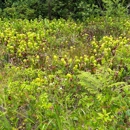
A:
91,83
51,9
19,9
108,98
114,8
60,74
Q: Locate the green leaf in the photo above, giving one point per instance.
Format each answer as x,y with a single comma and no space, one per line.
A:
128,112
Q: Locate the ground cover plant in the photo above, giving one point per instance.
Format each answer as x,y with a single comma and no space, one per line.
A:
65,75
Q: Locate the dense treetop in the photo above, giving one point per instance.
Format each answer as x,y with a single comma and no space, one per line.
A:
76,9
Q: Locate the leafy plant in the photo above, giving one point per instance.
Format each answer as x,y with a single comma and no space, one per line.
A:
62,74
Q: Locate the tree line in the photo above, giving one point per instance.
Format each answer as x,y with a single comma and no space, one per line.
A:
76,9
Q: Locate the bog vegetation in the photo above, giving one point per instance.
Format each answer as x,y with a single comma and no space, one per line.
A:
65,74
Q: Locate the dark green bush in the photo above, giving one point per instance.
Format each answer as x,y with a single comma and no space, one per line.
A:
51,9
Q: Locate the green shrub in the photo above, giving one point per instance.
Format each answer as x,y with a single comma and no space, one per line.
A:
60,74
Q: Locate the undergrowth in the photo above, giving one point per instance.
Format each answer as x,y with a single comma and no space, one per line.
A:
63,75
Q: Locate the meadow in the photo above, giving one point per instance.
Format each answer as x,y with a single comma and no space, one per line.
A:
65,75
